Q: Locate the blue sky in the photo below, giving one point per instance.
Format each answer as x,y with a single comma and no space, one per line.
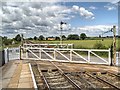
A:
102,15
43,18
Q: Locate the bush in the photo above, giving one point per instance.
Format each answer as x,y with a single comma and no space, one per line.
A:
83,36
73,37
99,45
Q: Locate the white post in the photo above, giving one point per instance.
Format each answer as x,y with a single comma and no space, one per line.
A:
70,55
54,54
67,46
109,57
26,54
20,52
40,53
89,56
7,51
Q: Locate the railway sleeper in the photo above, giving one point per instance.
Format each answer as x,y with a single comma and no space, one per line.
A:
54,77
64,83
82,82
68,87
56,80
51,73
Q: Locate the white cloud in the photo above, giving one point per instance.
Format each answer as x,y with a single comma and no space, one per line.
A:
75,7
110,7
86,13
83,12
92,8
115,1
38,17
96,30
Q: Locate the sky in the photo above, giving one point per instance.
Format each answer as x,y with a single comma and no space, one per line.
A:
43,18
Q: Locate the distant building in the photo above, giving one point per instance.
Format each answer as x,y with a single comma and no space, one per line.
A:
51,38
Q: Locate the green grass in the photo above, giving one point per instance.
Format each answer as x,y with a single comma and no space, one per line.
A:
13,45
87,44
83,43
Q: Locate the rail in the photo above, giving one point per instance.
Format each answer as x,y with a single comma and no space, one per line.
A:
84,77
49,45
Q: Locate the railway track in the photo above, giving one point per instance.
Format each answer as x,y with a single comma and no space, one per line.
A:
89,81
49,76
110,78
53,78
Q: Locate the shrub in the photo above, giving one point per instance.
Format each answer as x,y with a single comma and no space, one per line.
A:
99,45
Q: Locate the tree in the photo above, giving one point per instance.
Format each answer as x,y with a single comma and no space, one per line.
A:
41,37
63,37
57,38
18,38
73,37
6,41
35,38
99,36
83,36
30,38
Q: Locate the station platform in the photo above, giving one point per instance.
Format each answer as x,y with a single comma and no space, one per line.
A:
16,74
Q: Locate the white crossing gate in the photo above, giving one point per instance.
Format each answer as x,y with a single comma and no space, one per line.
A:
91,56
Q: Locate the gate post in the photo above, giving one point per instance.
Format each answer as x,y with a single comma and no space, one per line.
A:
70,55
20,52
40,53
7,55
54,54
109,57
26,53
89,56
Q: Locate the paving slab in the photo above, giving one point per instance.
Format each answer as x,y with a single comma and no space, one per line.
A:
25,80
16,76
7,74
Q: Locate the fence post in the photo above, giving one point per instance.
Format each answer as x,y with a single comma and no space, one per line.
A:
20,52
40,53
54,54
70,55
26,54
89,56
7,51
2,53
109,56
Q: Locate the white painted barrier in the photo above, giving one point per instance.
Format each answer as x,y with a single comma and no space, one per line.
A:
69,55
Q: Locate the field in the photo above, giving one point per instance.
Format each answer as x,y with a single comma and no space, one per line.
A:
84,43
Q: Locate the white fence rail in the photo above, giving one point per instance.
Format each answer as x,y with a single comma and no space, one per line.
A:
49,45
11,54
67,55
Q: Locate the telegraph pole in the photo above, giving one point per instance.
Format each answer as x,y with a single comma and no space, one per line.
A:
61,28
114,45
61,32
